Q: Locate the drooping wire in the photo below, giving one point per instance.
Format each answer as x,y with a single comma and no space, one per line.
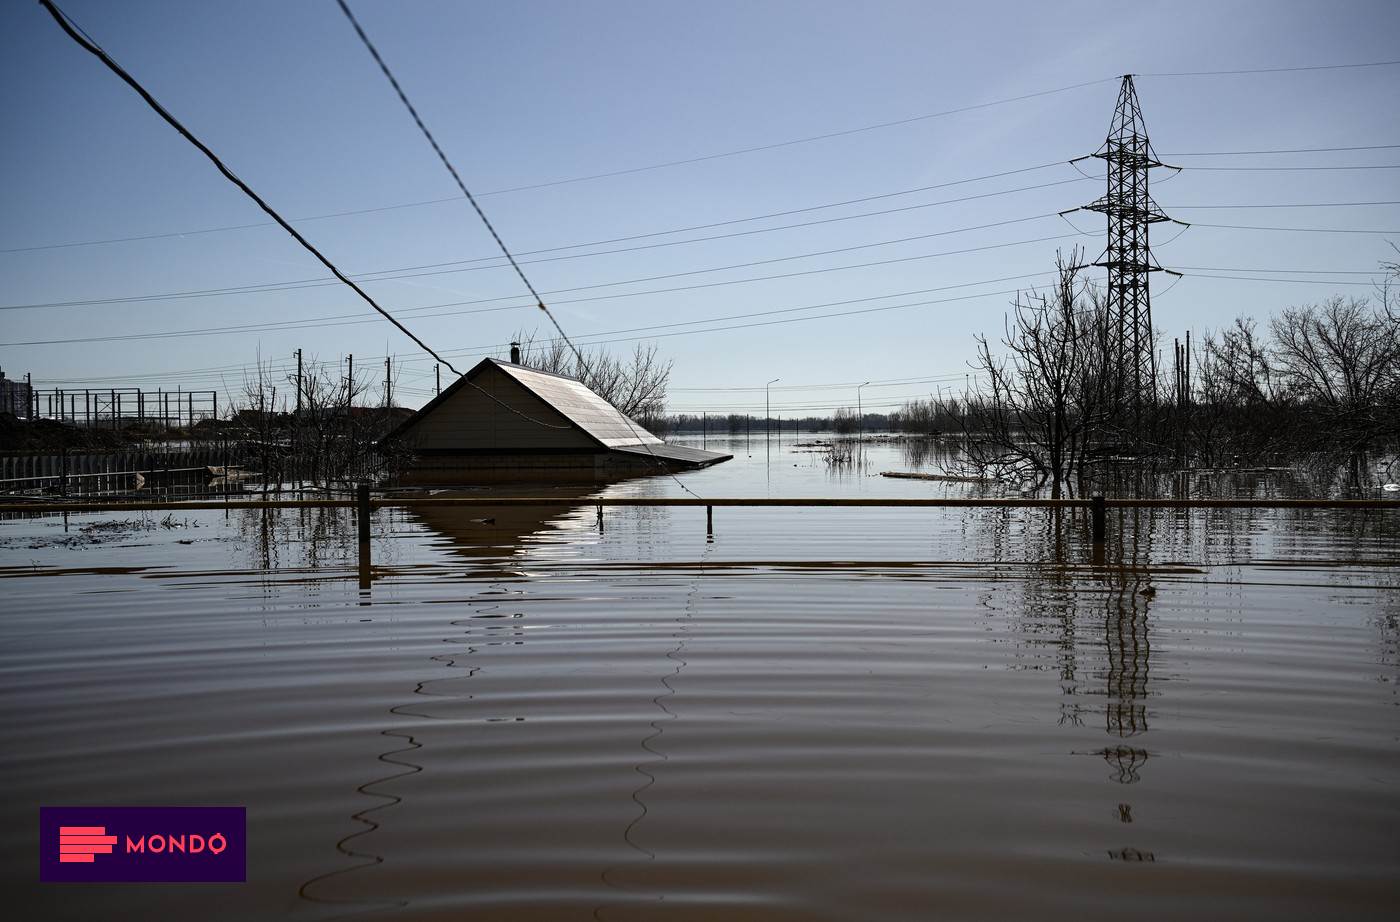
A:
1172,239
539,301
93,48
88,44
403,97
1174,282
1063,216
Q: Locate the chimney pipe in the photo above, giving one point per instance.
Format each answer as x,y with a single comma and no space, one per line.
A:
515,353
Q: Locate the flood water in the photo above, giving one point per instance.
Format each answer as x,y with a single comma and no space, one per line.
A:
868,714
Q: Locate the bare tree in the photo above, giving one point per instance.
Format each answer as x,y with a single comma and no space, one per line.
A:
1038,405
636,385
844,421
1340,361
329,442
1236,415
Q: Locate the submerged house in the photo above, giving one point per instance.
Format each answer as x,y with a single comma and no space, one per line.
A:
503,422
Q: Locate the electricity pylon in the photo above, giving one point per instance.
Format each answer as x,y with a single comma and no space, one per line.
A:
1128,159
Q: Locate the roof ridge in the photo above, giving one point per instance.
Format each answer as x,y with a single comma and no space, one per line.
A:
538,371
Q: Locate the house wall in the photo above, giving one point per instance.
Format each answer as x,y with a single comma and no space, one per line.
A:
448,469
470,421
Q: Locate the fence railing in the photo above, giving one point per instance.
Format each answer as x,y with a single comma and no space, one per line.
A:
395,501
363,503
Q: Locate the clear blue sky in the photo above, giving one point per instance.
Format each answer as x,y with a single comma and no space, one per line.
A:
531,92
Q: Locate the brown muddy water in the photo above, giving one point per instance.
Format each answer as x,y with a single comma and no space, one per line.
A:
867,714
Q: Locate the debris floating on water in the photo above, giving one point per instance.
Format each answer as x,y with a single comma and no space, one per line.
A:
954,478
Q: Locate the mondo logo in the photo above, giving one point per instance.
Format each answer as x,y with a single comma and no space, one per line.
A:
80,844
143,844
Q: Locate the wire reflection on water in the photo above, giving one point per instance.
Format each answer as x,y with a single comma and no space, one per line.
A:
681,634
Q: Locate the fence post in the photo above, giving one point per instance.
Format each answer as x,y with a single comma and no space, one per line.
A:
1100,525
362,517
63,476
362,520
710,521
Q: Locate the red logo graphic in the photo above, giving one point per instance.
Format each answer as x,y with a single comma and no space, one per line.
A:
83,843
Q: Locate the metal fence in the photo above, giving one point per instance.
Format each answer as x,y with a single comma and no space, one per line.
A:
117,407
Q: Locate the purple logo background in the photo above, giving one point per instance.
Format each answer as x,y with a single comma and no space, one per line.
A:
229,865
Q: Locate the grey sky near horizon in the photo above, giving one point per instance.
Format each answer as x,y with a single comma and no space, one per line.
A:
531,93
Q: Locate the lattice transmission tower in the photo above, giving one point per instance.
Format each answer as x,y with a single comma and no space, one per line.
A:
1128,159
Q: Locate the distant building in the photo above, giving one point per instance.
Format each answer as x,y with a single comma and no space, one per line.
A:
15,397
503,422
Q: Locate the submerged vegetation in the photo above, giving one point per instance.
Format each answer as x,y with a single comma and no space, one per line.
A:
1318,385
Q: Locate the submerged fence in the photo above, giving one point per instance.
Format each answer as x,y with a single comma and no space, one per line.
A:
122,471
364,503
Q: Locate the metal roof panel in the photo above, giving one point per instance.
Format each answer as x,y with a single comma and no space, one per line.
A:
582,407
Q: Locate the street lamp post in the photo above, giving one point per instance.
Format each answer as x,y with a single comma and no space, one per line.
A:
767,409
860,412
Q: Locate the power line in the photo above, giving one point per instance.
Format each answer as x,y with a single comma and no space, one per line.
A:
456,177
539,301
258,289
1255,278
805,272
776,214
1290,205
197,332
1279,150
589,339
1270,70
196,373
805,140
888,382
225,227
881,125
1301,230
1289,169
573,246
891,401
1287,271
766,230
406,272
92,48
294,325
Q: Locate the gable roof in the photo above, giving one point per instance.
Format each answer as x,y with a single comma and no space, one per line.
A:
582,406
570,397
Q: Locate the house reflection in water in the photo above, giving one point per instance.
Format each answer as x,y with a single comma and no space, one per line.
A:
492,536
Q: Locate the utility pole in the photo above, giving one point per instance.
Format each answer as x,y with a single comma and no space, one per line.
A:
860,411
350,379
437,378
388,385
296,428
1130,211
